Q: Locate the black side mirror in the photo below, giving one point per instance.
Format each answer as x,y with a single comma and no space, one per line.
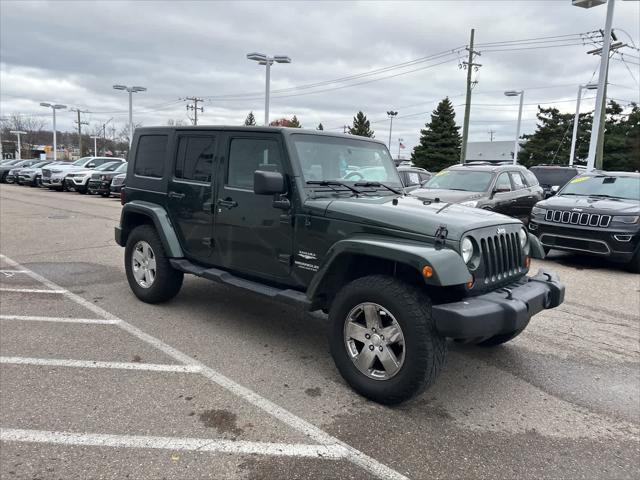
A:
268,183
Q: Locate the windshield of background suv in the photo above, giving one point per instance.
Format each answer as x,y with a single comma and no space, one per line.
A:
554,176
616,187
122,168
80,162
344,160
467,180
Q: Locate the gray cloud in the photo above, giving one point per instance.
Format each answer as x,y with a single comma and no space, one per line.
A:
72,52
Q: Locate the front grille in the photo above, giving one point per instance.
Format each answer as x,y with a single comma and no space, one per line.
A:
501,257
46,173
578,218
95,176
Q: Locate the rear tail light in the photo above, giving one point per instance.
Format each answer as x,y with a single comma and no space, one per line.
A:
122,196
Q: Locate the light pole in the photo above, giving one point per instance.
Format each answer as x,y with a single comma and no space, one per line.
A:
95,145
515,93
400,140
18,133
574,139
266,60
602,77
391,114
54,107
131,91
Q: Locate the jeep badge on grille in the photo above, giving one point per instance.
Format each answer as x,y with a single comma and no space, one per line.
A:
501,231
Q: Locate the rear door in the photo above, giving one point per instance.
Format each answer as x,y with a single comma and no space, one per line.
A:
190,193
522,195
252,237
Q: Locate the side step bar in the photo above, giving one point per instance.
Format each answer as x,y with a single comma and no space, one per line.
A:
288,296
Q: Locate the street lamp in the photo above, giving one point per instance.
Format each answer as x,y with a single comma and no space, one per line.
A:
602,77
54,107
400,140
131,91
18,133
391,114
515,93
589,86
95,144
263,59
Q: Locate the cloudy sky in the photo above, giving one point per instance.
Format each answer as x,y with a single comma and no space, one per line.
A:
73,52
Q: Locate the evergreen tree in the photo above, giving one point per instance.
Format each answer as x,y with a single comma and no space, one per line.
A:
294,123
250,121
361,126
440,140
320,127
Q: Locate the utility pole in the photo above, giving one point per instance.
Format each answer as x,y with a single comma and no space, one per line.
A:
345,128
79,122
469,65
576,120
391,114
491,132
195,108
104,136
95,145
400,140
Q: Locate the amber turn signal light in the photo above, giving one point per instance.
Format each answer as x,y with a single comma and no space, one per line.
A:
471,283
527,262
427,271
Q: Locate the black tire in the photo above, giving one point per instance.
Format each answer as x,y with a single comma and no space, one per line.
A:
425,350
168,280
105,195
500,339
634,265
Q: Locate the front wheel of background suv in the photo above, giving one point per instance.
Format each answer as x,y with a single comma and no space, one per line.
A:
383,339
150,275
634,265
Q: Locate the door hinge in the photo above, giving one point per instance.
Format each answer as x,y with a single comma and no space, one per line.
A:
207,241
441,236
284,258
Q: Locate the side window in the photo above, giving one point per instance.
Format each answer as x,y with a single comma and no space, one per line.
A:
195,158
414,179
424,177
503,183
150,155
518,181
246,155
532,180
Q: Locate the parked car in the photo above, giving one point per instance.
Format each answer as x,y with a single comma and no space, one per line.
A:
78,180
553,177
8,173
117,184
596,213
270,210
508,189
100,181
413,177
37,174
27,176
54,177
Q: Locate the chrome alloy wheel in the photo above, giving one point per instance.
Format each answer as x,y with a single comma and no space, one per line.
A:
374,341
143,263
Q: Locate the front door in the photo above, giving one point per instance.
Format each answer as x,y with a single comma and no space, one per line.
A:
252,236
503,198
190,193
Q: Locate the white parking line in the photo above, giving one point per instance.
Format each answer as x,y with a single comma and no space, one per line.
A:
355,456
60,362
173,443
31,290
31,318
11,272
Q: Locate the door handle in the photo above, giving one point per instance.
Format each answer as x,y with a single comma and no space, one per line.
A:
227,203
176,195
514,201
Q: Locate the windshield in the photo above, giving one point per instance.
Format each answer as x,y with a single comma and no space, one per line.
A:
81,161
39,164
344,160
122,168
616,187
467,180
554,176
107,167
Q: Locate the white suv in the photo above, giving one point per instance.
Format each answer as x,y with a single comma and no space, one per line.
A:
78,180
54,177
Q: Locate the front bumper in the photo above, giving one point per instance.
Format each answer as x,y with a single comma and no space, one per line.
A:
501,311
98,186
53,181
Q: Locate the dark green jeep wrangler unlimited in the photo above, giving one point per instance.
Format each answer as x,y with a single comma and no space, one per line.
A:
320,220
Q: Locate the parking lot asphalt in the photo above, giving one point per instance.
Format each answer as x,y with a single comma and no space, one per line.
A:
222,384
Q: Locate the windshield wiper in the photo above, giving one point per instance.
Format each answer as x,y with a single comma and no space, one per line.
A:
377,184
603,195
333,183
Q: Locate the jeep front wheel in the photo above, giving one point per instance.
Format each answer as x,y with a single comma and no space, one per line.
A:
151,277
383,340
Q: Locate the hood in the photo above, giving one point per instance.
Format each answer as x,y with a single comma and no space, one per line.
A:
409,214
64,168
609,206
81,171
455,196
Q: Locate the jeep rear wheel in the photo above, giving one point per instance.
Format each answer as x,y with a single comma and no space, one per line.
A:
383,340
151,277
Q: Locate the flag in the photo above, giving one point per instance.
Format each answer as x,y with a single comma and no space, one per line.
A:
401,145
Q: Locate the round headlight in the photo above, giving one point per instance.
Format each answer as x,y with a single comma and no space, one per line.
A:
523,237
466,248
